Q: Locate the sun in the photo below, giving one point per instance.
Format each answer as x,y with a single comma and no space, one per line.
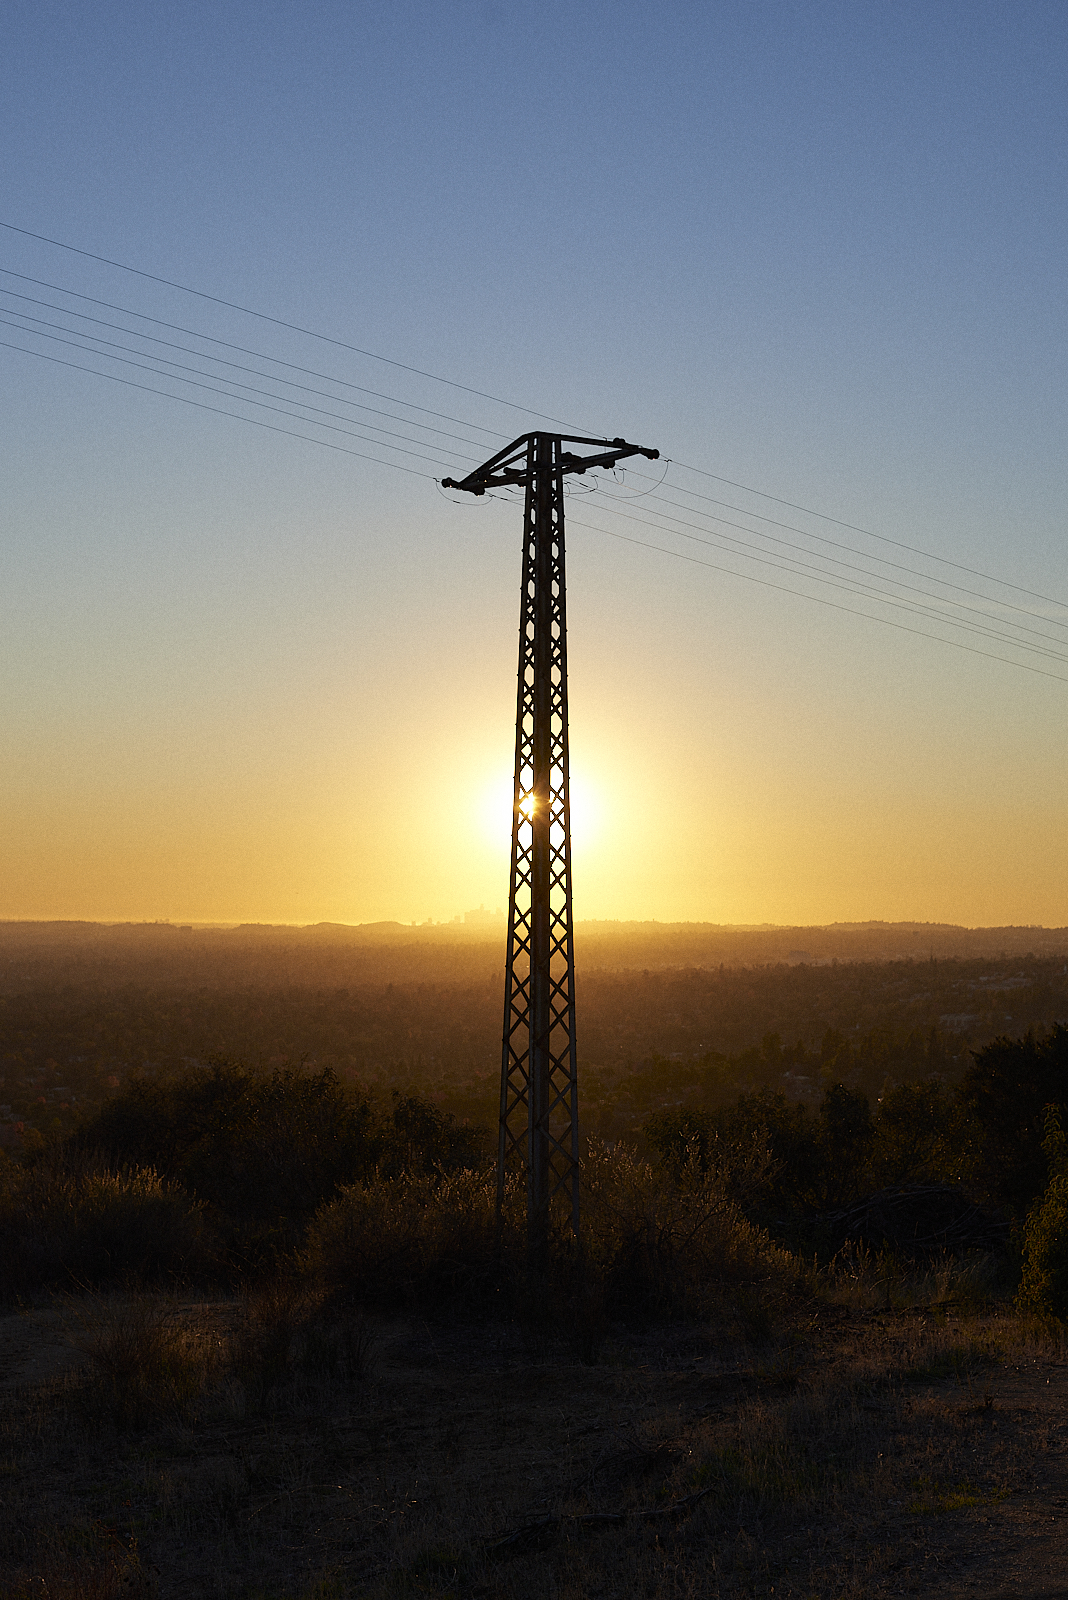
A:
495,810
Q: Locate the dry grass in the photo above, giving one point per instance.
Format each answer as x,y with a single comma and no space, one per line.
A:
854,1451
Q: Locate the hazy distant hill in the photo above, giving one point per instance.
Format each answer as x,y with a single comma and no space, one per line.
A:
336,954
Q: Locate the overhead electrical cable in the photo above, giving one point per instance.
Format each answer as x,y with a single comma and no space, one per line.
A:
799,561
466,388
290,383
161,362
868,534
851,567
680,555
865,555
298,416
238,366
814,574
280,322
495,399
186,400
227,344
805,570
628,539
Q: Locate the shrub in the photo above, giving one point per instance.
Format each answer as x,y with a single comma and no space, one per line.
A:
788,1169
807,1164
1044,1286
265,1151
256,1147
664,1241
290,1330
918,1129
416,1136
416,1239
654,1242
82,1224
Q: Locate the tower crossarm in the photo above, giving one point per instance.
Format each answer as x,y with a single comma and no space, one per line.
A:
510,467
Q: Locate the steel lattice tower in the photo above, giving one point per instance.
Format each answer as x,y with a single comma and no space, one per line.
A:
539,1131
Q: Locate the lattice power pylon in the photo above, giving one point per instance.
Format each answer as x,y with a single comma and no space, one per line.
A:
539,1131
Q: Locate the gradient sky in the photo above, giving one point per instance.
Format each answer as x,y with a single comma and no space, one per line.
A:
817,249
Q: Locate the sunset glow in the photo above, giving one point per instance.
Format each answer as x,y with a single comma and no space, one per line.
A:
271,675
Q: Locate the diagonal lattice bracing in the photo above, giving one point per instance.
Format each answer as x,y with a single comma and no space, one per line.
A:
539,1078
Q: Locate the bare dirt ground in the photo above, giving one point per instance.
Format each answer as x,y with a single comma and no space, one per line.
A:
853,1453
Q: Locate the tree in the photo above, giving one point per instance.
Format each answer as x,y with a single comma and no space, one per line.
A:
1003,1096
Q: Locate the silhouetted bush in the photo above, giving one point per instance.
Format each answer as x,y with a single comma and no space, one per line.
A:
258,1147
665,1241
416,1137
1044,1285
81,1224
917,1135
419,1240
654,1243
392,1202
146,1363
265,1151
816,1167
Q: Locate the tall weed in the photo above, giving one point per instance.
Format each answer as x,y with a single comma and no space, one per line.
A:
145,1362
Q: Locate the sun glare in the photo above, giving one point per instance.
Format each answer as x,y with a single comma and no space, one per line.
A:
496,810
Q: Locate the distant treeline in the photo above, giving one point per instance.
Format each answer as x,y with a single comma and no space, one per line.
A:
648,1039
983,1135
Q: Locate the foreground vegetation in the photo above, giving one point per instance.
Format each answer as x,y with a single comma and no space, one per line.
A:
267,1338
877,1437
224,1174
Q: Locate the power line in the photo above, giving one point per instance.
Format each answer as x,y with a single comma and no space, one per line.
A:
144,366
186,400
817,575
609,533
679,555
876,577
796,567
990,623
226,344
176,377
805,533
791,561
290,383
465,388
170,344
884,538
279,322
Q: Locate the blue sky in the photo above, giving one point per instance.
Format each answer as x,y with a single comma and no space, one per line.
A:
816,249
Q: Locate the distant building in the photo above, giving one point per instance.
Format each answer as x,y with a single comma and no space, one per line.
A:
482,918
